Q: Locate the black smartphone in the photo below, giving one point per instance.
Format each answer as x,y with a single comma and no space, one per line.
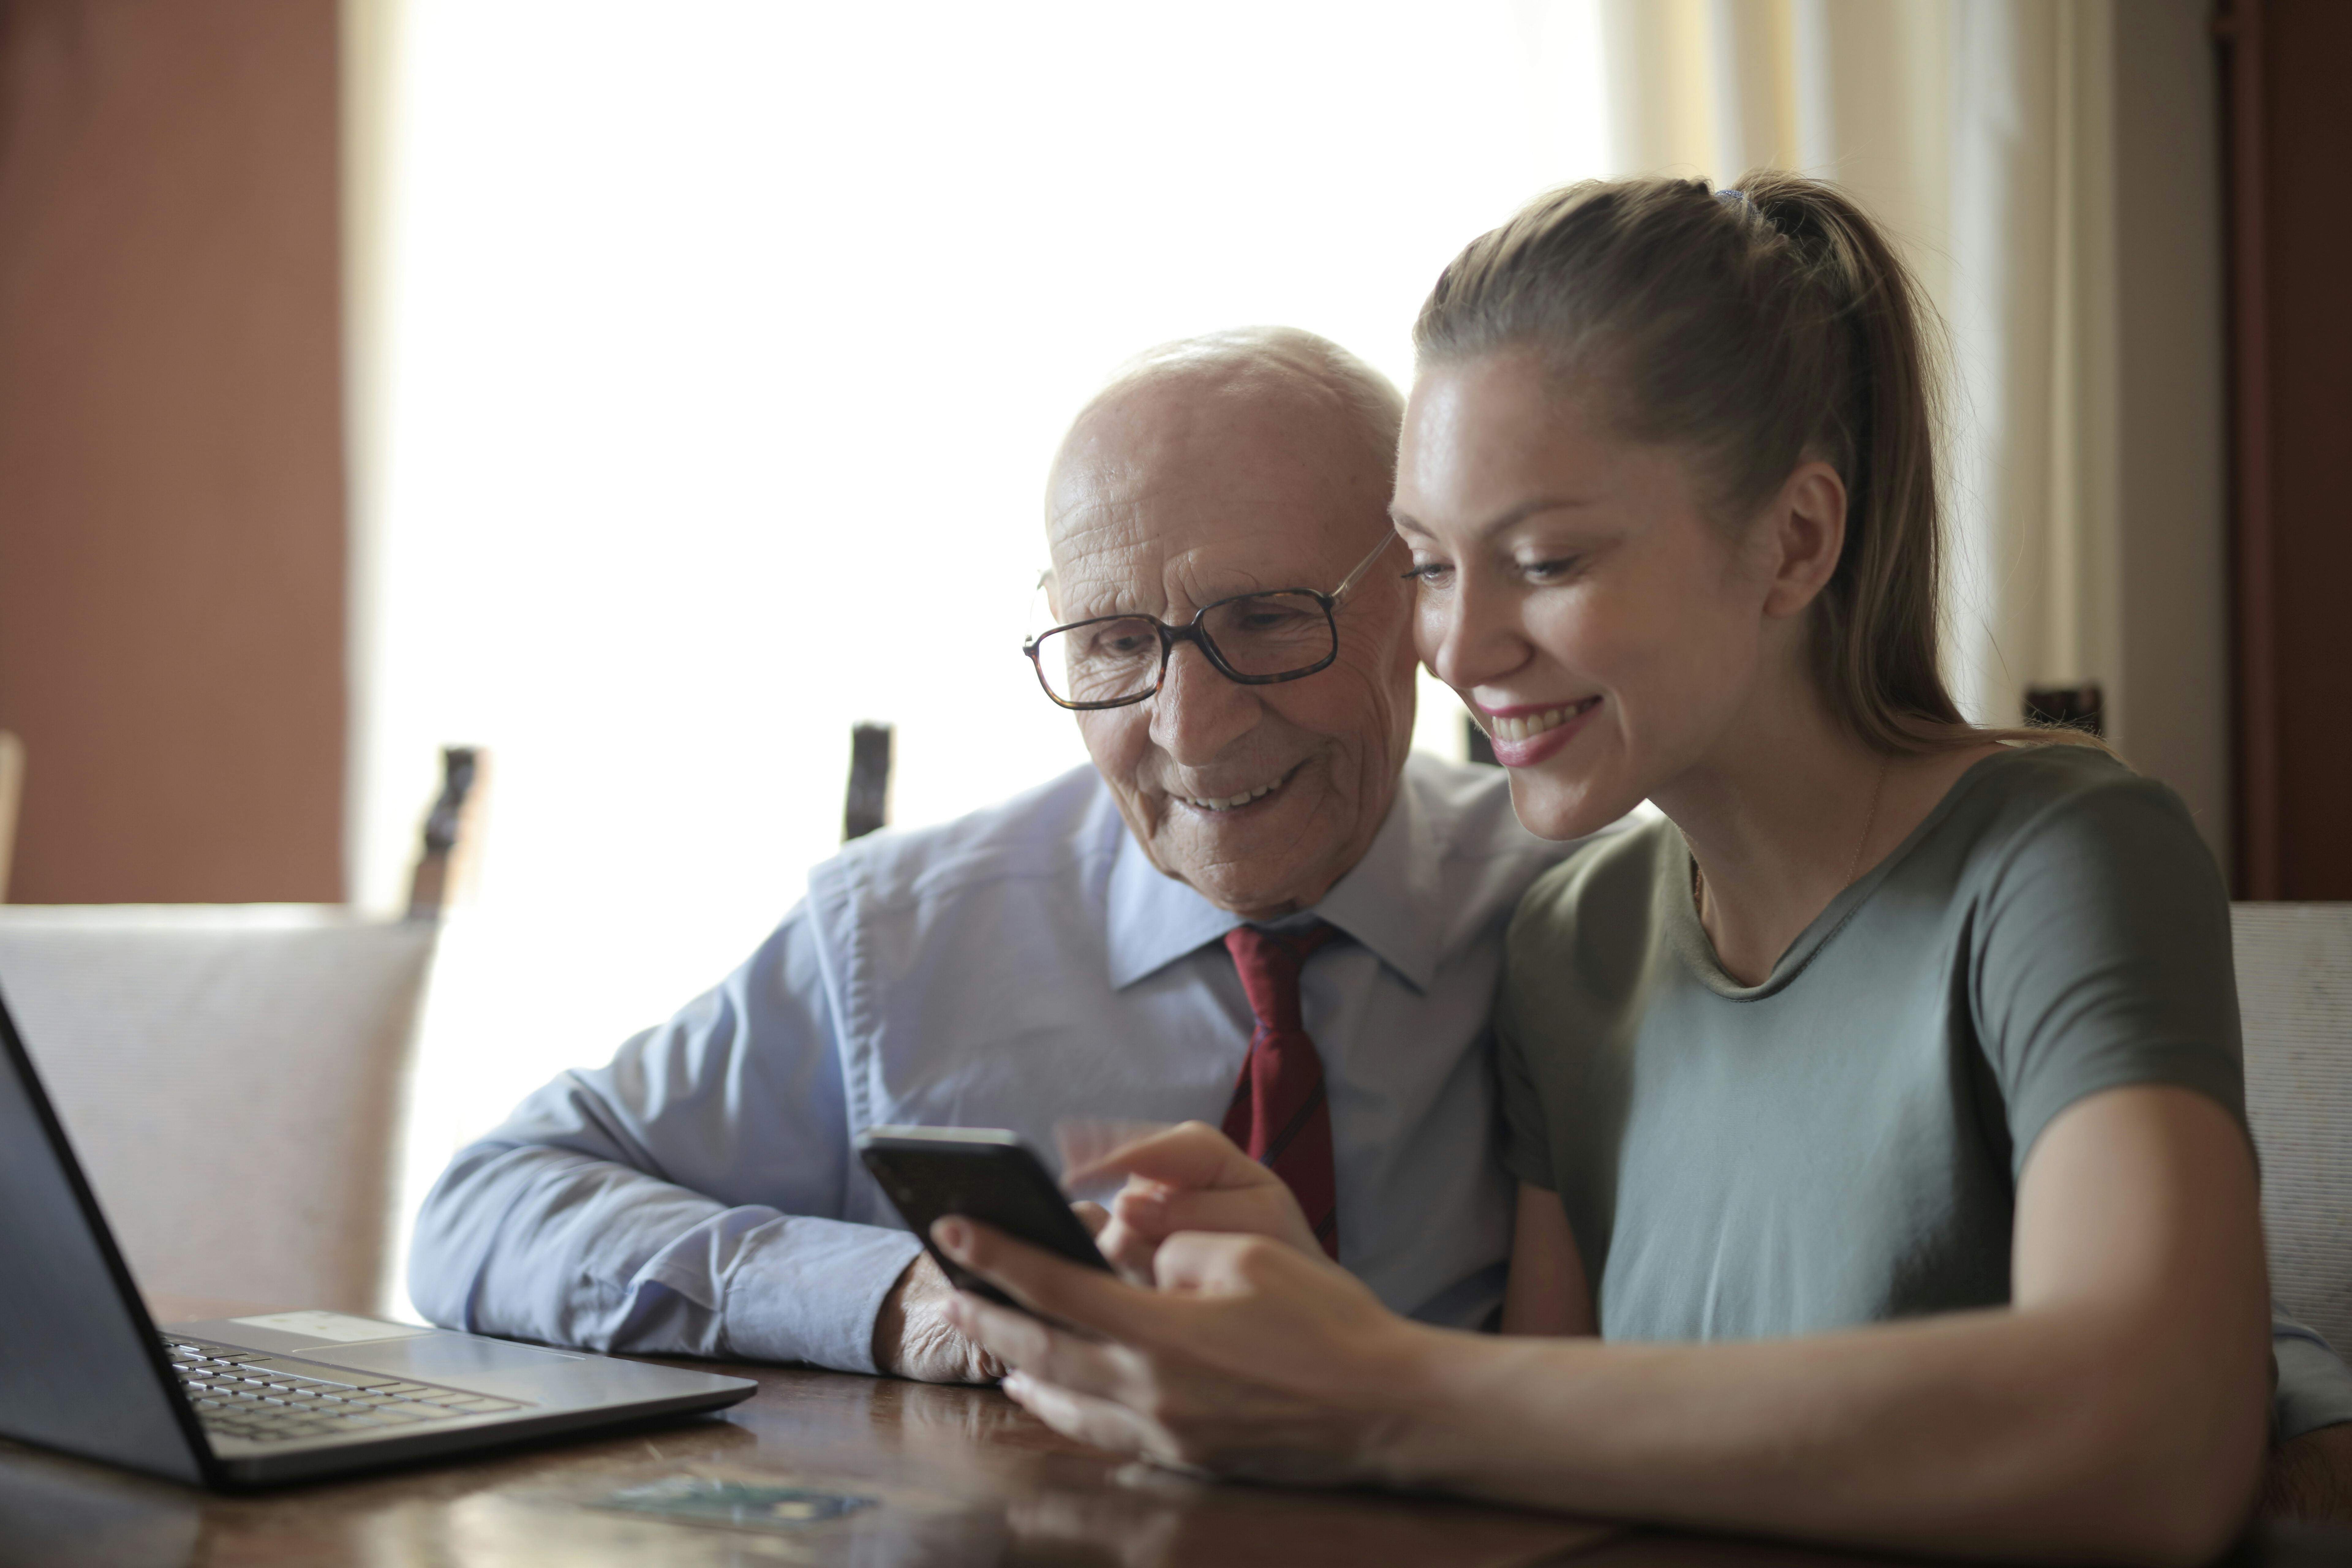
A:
981,1172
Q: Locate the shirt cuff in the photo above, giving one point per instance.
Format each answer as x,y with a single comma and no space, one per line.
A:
2314,1389
809,1289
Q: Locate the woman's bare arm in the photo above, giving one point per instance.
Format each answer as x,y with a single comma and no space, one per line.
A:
2116,1412
1546,1294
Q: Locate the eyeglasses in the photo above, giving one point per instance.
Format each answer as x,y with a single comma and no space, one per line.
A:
1258,640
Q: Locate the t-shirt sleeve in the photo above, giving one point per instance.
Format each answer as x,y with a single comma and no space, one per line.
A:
1526,1129
1527,1136
2102,959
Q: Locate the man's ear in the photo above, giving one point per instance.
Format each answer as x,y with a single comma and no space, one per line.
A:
1808,524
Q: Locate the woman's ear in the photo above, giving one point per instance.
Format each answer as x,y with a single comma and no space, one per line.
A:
1807,524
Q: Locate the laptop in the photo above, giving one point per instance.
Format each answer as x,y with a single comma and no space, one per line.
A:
244,1402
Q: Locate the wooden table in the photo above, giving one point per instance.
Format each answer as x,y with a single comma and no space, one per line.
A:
958,1476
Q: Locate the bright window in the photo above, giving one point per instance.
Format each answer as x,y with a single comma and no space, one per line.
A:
723,350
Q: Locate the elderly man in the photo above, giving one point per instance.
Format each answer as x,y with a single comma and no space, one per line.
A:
1254,908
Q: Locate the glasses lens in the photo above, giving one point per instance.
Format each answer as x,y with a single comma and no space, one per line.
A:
1101,661
1272,633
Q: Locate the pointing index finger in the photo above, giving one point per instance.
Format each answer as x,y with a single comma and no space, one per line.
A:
1193,1155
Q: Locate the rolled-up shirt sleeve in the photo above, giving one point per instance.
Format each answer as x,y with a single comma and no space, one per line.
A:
684,1198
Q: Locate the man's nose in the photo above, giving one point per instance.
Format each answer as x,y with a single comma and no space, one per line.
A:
1197,712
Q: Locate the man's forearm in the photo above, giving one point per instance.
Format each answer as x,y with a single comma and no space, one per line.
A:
554,1245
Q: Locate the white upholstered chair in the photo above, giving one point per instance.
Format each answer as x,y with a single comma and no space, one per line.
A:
230,1076
2294,993
234,1077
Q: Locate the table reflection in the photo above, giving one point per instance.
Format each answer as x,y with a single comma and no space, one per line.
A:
55,1512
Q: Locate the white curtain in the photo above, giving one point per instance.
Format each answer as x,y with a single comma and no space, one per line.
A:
1981,132
2052,167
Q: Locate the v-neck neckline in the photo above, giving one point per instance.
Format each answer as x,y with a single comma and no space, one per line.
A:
1698,949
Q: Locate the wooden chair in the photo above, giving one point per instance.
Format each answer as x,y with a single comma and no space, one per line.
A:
233,1077
12,794
2294,993
867,808
451,832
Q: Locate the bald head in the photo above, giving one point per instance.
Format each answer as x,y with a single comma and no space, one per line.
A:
1246,463
1195,386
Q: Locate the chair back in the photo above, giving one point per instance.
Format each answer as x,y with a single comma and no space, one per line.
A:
231,1077
869,806
11,793
2294,993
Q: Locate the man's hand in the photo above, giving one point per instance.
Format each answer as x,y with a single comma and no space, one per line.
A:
1191,1178
912,1336
2310,1476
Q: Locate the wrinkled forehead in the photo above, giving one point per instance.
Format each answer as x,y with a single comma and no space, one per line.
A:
1173,497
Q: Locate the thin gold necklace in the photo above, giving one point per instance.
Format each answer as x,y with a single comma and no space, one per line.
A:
1852,867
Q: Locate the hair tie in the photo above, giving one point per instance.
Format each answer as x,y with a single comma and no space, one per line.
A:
1732,198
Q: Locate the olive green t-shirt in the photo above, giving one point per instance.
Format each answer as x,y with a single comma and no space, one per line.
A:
1840,1145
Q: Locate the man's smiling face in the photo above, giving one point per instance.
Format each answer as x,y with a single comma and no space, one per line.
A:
1192,485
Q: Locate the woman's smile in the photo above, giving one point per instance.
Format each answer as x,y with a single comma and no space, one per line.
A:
1530,733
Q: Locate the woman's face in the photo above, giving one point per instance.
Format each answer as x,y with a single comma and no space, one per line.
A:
1605,633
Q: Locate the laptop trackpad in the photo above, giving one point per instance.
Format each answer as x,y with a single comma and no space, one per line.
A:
457,1359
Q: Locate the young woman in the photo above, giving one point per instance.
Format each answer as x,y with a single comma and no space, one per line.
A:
1879,1108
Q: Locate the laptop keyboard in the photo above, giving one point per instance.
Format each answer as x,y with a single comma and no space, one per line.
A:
273,1399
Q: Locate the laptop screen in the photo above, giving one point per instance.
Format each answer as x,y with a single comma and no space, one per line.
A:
81,1367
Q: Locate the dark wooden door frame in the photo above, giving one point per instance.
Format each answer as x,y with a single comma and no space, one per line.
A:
2238,30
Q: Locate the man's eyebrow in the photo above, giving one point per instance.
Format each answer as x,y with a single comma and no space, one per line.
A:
1407,523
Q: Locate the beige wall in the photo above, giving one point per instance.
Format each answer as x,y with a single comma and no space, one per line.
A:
171,553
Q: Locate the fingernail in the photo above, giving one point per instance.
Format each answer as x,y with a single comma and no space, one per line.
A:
952,1235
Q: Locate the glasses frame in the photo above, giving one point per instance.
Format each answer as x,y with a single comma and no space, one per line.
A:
1191,632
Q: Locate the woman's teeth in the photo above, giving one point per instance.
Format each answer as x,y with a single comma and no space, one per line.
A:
1534,724
1227,803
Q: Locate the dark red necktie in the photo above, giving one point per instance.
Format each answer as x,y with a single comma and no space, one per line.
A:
1280,1114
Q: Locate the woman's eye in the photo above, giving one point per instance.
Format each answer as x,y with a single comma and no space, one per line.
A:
1428,571
1547,571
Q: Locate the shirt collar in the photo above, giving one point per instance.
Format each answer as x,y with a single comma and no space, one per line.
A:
1387,902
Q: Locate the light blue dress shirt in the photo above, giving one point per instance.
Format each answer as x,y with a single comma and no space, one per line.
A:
1023,966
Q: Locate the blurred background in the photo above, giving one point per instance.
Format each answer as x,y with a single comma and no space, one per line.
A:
647,394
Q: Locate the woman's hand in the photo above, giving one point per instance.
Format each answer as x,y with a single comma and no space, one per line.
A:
1251,1358
1191,1177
